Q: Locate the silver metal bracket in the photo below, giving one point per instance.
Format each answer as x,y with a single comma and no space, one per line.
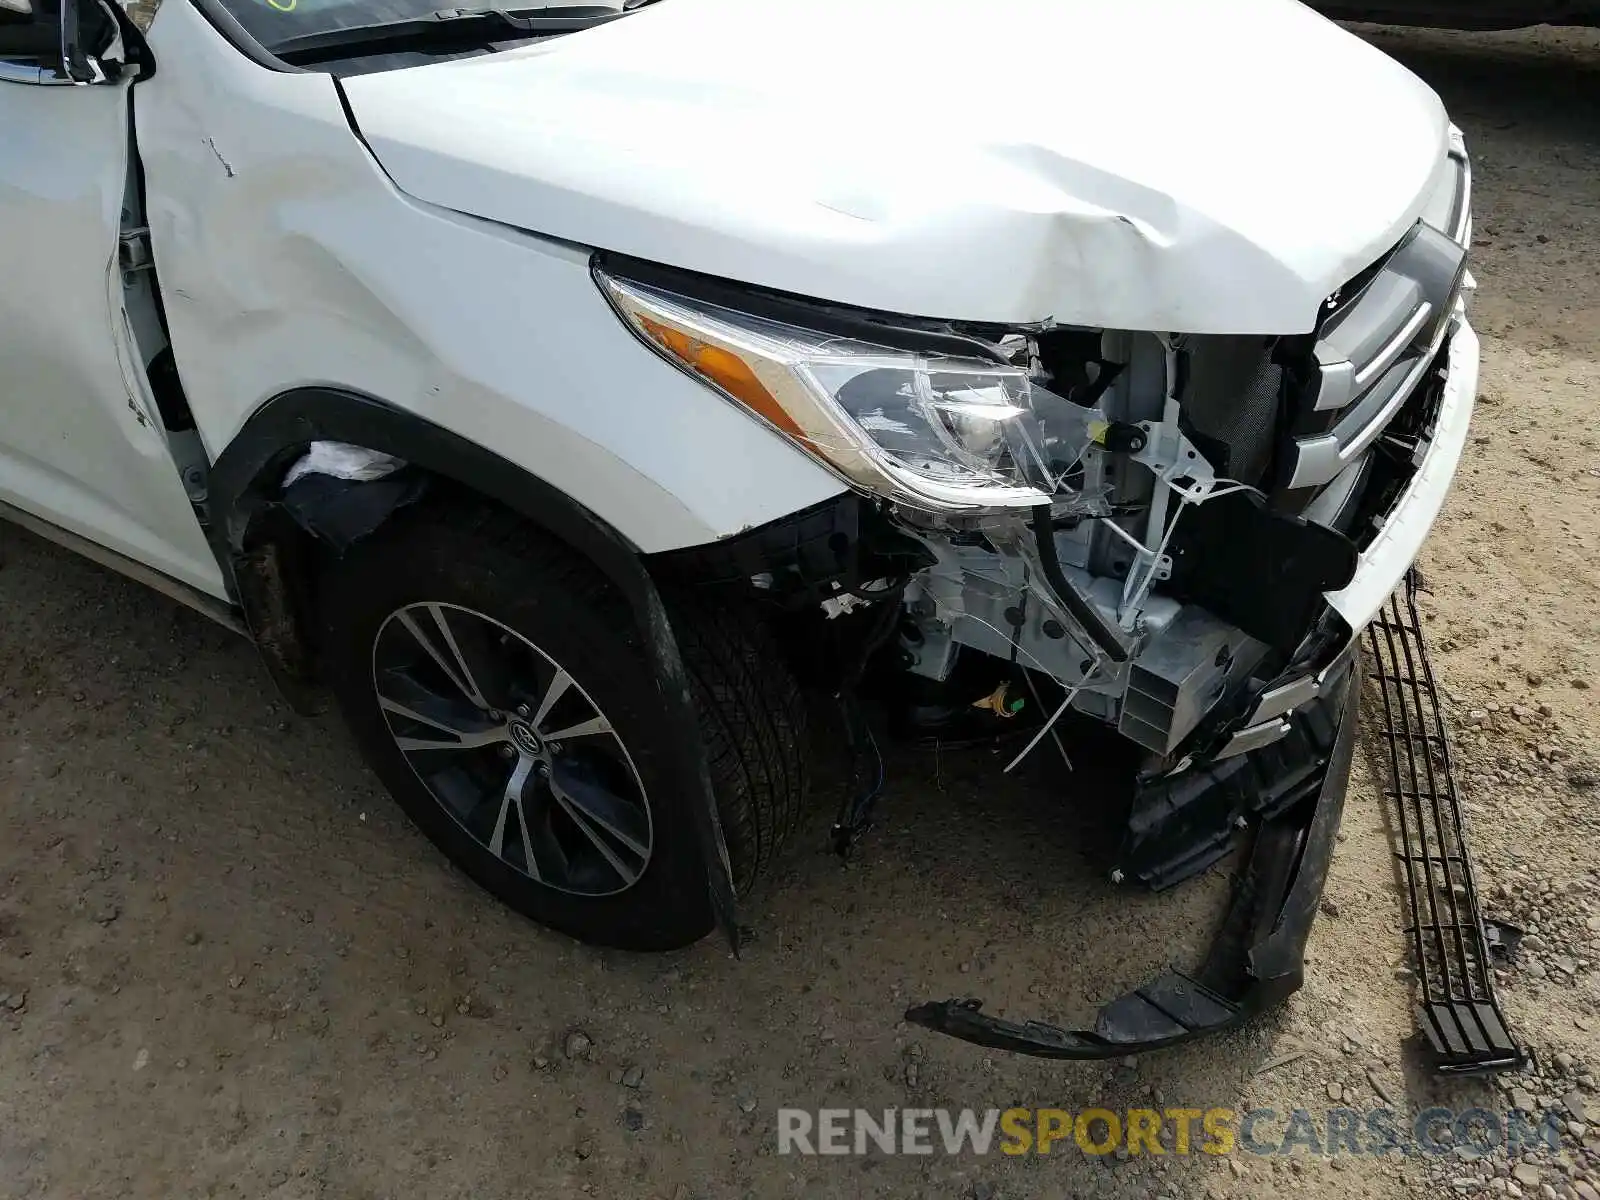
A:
1181,471
133,250
1173,457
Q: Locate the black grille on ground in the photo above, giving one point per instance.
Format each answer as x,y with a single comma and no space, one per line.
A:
1457,1009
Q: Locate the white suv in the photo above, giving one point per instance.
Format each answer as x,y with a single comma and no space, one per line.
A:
564,388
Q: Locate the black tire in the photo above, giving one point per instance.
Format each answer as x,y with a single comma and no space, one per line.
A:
484,561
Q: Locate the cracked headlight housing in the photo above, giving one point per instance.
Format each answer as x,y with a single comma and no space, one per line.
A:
926,430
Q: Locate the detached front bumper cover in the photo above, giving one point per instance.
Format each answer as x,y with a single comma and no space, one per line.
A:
1256,959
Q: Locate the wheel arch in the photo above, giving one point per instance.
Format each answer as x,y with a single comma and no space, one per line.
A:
266,574
244,476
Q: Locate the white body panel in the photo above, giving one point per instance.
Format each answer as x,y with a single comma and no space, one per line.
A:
431,277
1384,562
288,259
81,444
1139,164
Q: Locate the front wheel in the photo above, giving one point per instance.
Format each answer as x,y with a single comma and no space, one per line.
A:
499,688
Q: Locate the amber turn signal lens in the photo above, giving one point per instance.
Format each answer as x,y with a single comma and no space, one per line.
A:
725,369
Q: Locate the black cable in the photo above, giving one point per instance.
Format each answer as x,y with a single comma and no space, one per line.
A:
855,813
1086,614
1021,610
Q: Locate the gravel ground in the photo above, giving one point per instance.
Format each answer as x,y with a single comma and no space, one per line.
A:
228,967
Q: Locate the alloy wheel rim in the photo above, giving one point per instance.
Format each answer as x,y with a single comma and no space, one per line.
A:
513,748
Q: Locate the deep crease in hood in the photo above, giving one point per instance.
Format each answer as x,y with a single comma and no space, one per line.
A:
1136,164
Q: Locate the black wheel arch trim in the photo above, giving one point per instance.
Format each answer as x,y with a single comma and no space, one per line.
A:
243,489
244,477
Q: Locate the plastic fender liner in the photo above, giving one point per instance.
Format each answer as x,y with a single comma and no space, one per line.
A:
244,485
1289,562
1256,960
1179,826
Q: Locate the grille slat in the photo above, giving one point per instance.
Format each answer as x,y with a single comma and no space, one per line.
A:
1378,334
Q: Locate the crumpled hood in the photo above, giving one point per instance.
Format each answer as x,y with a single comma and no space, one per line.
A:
1137,164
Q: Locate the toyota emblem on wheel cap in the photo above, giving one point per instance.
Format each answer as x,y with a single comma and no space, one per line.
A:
526,739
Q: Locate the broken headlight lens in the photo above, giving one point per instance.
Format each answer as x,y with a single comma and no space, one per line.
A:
926,430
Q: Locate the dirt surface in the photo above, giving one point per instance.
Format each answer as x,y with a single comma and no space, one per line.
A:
228,966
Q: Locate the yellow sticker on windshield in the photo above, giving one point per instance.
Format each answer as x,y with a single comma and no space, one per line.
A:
284,5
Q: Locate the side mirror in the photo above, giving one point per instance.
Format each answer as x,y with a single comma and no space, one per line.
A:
63,42
91,42
30,44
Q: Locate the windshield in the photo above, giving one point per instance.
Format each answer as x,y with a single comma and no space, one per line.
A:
275,22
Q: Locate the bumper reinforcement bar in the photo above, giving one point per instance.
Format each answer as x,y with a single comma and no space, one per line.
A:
1457,1009
1256,958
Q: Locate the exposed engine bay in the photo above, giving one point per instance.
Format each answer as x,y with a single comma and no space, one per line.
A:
1184,582
1156,531
1160,591
1174,537
1110,588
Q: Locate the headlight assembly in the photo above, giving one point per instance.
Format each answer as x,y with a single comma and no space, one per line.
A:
926,430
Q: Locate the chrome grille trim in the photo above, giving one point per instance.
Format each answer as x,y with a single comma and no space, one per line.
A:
1375,347
1321,460
1397,345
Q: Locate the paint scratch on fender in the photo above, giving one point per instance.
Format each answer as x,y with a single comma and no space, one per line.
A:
843,212
226,165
